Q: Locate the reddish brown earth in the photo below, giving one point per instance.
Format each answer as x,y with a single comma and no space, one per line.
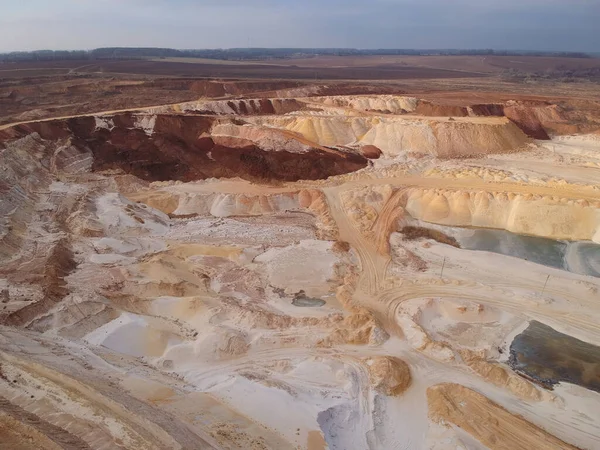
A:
289,70
425,108
482,64
181,149
527,121
37,90
33,98
491,109
370,151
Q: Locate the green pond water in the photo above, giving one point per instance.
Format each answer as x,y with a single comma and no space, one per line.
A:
577,257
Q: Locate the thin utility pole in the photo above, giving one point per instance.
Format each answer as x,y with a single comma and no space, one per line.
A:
443,264
544,288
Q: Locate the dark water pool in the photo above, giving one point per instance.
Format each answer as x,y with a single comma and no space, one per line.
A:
577,257
538,250
308,302
302,301
548,357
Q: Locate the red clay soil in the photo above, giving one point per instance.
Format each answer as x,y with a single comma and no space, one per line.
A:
370,151
526,120
33,98
489,109
534,118
180,148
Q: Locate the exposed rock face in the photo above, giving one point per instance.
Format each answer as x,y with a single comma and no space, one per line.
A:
397,135
386,104
487,109
175,147
244,107
519,213
425,108
59,263
526,119
541,119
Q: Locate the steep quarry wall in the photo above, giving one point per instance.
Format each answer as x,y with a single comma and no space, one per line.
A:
395,135
243,107
176,147
390,104
550,217
533,120
22,176
426,108
538,119
180,202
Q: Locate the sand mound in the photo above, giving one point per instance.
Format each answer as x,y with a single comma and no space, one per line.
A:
388,376
486,421
503,377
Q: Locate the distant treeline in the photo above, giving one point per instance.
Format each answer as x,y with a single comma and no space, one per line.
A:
252,53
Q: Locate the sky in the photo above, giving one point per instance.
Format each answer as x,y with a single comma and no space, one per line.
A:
555,25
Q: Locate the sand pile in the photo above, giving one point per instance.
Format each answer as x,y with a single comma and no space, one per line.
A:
472,412
389,376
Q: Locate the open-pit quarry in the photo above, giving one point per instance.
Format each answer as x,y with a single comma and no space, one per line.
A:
303,271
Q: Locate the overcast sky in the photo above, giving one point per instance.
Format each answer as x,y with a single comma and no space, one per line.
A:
503,24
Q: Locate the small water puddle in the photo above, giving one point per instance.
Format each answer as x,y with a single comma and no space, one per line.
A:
302,301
